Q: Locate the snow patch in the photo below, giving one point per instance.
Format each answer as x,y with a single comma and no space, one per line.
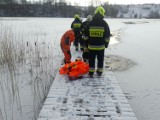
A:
118,63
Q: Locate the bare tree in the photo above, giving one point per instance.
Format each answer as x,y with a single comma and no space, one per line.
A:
6,1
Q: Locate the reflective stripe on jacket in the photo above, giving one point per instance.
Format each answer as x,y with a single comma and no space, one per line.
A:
97,34
76,25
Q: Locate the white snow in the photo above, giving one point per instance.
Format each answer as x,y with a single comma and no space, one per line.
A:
138,42
138,11
98,98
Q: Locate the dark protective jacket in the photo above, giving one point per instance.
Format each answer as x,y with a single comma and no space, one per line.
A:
97,34
85,23
77,25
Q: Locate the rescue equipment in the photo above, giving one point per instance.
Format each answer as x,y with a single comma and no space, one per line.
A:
75,70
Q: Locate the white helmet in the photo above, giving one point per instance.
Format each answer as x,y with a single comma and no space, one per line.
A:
81,19
89,18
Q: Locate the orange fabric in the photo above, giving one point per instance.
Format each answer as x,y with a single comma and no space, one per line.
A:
69,34
67,57
66,40
75,69
65,69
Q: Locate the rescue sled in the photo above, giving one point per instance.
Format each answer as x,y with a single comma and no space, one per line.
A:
75,70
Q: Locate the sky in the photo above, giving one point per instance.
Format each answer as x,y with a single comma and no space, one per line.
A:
98,2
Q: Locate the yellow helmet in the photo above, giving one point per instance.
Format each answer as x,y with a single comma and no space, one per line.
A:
76,16
101,10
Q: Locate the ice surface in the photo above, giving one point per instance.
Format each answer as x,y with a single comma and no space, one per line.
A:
138,42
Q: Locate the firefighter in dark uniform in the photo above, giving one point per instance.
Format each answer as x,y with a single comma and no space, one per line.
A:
87,21
85,51
97,37
77,28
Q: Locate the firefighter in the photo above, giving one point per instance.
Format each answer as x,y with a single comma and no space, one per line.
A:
97,37
77,28
66,40
85,51
86,22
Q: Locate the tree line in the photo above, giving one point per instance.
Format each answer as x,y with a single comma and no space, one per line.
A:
48,8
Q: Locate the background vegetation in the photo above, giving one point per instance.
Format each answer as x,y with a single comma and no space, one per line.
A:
49,8
61,8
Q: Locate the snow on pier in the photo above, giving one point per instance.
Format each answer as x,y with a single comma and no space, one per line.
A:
98,98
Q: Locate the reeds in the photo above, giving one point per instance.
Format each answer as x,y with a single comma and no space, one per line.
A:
22,61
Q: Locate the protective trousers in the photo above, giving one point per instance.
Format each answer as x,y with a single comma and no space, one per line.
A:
78,40
67,55
93,54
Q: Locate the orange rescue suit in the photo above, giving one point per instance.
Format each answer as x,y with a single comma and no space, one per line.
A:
75,69
66,40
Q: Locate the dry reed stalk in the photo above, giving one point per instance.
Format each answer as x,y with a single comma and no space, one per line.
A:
1,115
7,58
37,57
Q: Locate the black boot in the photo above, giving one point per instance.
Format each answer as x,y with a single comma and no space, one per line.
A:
99,73
76,49
91,74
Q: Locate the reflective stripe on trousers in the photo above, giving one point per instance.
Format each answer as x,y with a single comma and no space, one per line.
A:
93,55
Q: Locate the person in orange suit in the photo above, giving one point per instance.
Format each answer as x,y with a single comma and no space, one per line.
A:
66,40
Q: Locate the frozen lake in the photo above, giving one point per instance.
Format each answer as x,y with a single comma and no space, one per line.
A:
138,41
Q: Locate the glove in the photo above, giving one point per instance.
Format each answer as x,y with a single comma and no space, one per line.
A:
106,45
